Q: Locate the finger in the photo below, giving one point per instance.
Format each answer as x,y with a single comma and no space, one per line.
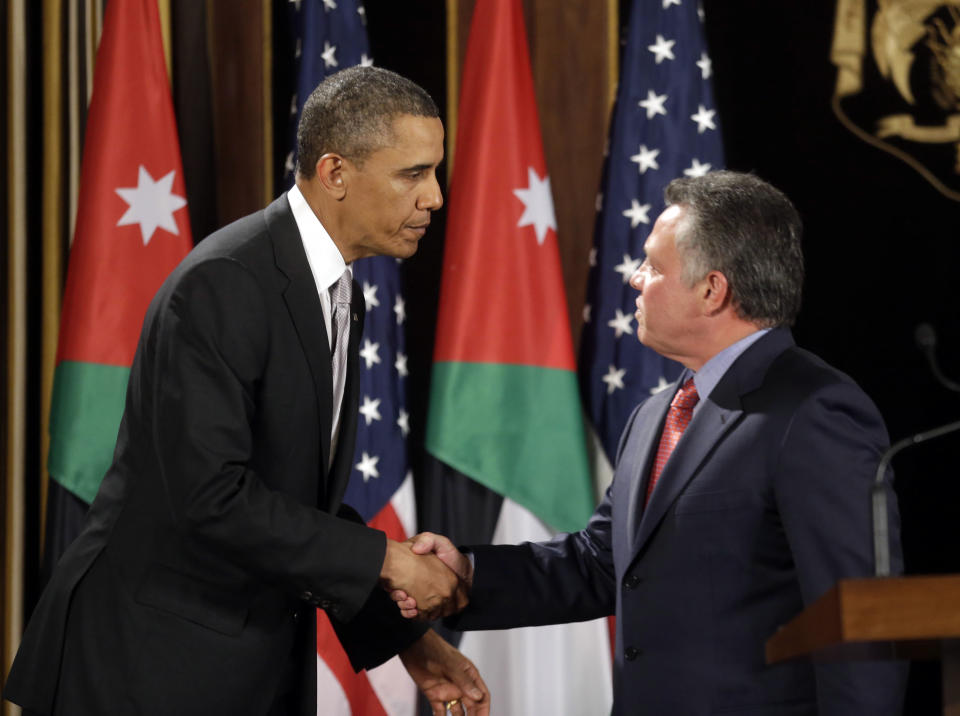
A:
398,595
466,676
438,708
409,613
408,603
424,543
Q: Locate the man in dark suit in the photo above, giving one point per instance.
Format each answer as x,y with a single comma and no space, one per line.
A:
219,527
741,493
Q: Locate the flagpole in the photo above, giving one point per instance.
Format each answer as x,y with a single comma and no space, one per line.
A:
52,231
453,81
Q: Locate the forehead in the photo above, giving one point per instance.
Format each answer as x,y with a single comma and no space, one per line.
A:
663,236
412,141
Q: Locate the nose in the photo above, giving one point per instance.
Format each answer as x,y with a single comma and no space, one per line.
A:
432,198
637,279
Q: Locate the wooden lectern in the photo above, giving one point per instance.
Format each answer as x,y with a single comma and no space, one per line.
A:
881,618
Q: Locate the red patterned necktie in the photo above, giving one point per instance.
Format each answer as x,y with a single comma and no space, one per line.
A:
678,417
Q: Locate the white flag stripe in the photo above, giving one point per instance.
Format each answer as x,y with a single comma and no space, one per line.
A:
330,692
561,670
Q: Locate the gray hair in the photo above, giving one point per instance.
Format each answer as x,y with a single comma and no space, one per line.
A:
351,113
747,230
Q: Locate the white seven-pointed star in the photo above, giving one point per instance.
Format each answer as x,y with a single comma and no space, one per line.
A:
400,308
368,466
366,61
370,409
370,352
705,65
704,119
401,364
598,202
628,267
329,55
587,308
696,169
662,384
662,48
537,205
332,5
621,324
152,204
404,422
668,3
637,213
593,256
614,379
654,104
288,165
646,159
370,295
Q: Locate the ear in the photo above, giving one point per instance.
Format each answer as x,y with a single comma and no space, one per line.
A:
714,293
330,175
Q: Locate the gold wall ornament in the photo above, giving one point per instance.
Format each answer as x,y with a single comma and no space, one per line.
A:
902,94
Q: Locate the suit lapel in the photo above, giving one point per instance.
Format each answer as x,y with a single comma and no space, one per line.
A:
303,304
639,450
706,429
717,416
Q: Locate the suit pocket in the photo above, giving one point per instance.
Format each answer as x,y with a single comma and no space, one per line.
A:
200,602
717,501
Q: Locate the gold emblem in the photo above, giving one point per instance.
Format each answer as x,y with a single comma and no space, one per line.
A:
903,95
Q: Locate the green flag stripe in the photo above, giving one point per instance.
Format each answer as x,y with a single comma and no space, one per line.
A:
518,430
85,415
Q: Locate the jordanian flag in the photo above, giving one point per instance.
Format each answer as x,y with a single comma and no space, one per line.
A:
504,405
132,229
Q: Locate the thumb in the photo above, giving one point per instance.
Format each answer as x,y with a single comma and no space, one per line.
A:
423,543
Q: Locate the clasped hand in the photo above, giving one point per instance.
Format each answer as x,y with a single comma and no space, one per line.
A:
427,576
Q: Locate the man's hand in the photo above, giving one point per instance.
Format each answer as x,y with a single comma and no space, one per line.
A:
423,544
443,674
435,589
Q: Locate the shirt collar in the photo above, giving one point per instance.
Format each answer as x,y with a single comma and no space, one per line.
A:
326,262
713,370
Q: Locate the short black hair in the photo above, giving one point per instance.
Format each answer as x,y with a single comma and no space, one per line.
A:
352,113
746,229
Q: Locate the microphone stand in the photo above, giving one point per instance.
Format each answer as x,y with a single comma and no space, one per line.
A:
881,538
926,339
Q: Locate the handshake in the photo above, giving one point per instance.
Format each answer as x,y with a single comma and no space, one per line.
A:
427,576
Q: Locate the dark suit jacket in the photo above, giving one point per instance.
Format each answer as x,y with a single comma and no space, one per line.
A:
192,588
764,504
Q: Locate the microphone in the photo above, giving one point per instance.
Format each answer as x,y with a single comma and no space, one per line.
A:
926,339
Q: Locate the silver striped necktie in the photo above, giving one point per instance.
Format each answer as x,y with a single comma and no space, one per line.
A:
340,294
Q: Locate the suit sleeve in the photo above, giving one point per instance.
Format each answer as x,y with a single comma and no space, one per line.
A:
827,466
378,631
210,347
569,578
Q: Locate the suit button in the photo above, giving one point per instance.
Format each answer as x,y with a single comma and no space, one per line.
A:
631,653
631,582
306,596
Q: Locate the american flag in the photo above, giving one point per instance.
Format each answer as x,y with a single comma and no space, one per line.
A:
664,125
330,36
